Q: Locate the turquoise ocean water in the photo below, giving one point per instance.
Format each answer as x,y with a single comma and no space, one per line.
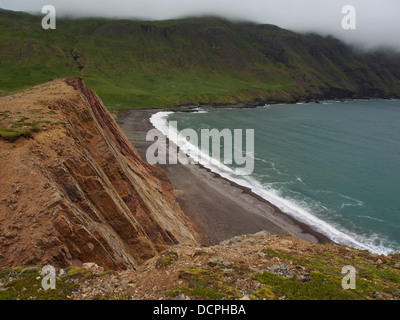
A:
333,165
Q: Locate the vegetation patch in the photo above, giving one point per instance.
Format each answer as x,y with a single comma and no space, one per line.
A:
166,259
25,283
263,294
373,280
214,284
321,287
77,271
199,291
12,135
13,126
271,253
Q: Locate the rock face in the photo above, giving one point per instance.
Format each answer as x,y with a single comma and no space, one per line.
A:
74,190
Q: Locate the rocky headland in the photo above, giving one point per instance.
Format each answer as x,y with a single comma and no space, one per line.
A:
75,194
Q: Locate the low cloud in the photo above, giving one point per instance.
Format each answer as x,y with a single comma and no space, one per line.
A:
377,21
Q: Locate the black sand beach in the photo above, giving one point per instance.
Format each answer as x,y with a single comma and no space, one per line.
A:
218,207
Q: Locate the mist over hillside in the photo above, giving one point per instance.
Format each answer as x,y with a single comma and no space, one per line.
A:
191,61
377,22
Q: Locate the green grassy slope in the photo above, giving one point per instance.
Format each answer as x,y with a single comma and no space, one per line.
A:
189,61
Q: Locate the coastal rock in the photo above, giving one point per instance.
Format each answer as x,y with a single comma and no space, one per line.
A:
187,278
75,190
93,267
219,261
180,297
281,269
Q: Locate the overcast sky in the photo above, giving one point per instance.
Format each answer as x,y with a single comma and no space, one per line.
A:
377,21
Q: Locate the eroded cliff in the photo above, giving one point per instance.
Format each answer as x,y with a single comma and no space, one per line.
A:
73,189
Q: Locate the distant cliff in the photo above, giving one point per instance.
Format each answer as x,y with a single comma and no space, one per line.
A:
191,61
73,189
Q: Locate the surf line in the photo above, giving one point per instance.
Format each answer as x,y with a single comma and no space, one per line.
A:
188,141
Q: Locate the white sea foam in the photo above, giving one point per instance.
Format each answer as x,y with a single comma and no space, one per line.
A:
374,219
373,243
200,110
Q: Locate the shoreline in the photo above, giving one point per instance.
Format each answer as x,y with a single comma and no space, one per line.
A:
251,105
201,193
304,227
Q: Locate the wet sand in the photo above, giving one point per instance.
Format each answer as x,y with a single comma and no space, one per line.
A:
220,209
